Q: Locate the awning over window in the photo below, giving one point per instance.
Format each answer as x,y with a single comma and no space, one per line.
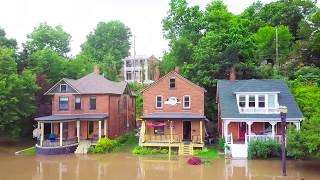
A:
68,117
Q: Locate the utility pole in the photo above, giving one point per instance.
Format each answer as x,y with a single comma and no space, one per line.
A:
134,58
277,48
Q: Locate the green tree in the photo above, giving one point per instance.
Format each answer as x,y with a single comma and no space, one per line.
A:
50,63
16,95
79,66
265,42
109,43
5,42
45,36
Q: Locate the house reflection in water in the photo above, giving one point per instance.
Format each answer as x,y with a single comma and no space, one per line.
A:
142,168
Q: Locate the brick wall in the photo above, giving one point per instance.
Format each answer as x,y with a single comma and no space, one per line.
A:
182,88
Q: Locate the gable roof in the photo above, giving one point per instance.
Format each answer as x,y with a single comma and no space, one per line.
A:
177,75
94,83
226,90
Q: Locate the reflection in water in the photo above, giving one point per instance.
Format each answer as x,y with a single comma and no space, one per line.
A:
126,166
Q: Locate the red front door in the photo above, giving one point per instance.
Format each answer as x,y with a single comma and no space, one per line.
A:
242,130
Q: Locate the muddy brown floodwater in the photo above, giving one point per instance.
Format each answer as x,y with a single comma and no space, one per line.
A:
125,166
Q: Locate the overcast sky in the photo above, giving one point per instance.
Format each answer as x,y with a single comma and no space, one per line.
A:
79,17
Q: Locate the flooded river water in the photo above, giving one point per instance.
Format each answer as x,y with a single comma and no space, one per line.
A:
125,166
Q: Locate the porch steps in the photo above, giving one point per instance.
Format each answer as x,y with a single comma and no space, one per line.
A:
83,147
185,149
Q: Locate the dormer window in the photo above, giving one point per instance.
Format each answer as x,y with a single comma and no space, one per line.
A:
172,83
63,88
242,101
262,101
252,101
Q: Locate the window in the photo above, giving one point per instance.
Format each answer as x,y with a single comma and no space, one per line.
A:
158,101
93,102
252,102
129,75
267,127
90,127
159,130
271,101
242,101
77,103
172,83
63,103
186,102
63,88
261,101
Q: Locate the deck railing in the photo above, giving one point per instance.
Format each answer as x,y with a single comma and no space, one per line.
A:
166,138
276,138
56,143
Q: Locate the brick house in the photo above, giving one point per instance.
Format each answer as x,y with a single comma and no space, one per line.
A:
173,113
86,109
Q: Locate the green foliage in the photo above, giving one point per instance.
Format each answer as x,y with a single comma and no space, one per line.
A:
146,151
308,75
5,42
16,95
221,143
295,147
206,153
137,89
104,145
45,36
263,149
107,45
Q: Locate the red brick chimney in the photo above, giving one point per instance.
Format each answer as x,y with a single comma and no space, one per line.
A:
156,73
233,73
96,69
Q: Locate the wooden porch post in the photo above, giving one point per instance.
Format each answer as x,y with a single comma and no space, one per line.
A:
61,129
42,133
249,129
143,126
100,129
78,130
51,131
201,133
171,136
105,128
273,129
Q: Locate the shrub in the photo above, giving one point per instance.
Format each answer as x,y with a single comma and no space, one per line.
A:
104,145
144,151
122,139
221,143
264,149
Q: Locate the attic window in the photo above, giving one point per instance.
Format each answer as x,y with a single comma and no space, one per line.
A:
63,88
172,83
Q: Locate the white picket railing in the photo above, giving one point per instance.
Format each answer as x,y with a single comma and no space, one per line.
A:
276,138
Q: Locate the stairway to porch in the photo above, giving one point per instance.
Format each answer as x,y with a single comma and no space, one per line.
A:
185,149
83,147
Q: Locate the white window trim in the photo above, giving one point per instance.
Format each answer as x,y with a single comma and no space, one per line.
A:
63,85
189,102
175,83
157,102
257,109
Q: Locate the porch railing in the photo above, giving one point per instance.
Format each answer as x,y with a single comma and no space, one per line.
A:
56,143
276,138
162,138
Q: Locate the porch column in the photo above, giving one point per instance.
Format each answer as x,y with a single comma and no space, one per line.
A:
143,126
249,128
273,124
225,124
78,130
105,128
51,131
201,131
297,124
61,129
42,133
100,129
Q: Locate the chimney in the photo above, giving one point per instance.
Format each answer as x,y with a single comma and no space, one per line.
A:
156,73
233,73
177,69
96,69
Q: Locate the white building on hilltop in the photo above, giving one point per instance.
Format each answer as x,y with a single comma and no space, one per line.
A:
141,69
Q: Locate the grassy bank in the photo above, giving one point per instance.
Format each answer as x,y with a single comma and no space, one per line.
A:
210,153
